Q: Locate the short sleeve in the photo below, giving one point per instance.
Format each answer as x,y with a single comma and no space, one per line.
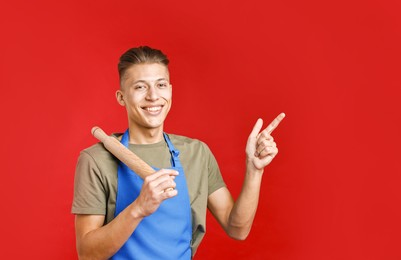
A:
215,180
89,191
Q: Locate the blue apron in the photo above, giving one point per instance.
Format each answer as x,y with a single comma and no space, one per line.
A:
166,234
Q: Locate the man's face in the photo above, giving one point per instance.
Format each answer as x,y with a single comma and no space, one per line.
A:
146,93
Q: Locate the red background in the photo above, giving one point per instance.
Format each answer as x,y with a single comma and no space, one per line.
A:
332,66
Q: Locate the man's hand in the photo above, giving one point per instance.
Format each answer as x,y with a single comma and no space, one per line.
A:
261,148
98,241
156,188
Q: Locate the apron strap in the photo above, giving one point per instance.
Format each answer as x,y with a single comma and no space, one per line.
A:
175,161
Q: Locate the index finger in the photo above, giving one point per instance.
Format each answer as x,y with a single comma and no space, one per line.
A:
161,172
273,125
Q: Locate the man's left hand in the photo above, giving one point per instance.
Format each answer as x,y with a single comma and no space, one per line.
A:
261,148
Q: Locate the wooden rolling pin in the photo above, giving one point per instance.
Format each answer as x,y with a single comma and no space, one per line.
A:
123,153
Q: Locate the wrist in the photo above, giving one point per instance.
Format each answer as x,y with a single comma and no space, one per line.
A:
135,211
253,177
251,169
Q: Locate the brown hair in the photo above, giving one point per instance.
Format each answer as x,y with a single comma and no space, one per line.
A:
138,55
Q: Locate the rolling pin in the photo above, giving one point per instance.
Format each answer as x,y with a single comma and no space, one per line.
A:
123,153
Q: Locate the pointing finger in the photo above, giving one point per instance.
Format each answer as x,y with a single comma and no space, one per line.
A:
273,125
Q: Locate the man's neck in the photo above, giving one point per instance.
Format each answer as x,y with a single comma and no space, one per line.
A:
144,135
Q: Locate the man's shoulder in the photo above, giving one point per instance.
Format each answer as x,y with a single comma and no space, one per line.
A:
95,149
97,152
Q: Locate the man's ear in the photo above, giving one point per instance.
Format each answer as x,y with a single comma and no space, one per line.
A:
120,98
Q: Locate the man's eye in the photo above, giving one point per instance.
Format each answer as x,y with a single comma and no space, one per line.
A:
162,85
139,87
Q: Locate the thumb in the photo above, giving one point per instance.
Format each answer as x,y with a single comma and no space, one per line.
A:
256,129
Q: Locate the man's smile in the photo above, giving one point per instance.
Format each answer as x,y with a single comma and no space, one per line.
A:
153,109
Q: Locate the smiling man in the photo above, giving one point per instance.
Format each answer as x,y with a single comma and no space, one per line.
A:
146,94
121,216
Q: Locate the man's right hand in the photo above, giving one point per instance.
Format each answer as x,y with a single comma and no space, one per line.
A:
156,188
98,241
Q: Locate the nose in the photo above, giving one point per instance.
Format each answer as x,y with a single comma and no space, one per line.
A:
152,94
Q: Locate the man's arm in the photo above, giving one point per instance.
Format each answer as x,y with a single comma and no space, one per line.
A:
95,241
237,218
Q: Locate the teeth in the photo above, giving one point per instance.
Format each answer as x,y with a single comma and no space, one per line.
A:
153,109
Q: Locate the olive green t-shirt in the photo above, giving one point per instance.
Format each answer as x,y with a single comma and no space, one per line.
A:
95,184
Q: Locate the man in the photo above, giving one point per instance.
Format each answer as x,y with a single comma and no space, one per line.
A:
121,216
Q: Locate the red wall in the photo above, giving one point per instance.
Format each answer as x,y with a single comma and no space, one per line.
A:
332,66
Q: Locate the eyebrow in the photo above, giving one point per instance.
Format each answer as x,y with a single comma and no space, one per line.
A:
144,81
